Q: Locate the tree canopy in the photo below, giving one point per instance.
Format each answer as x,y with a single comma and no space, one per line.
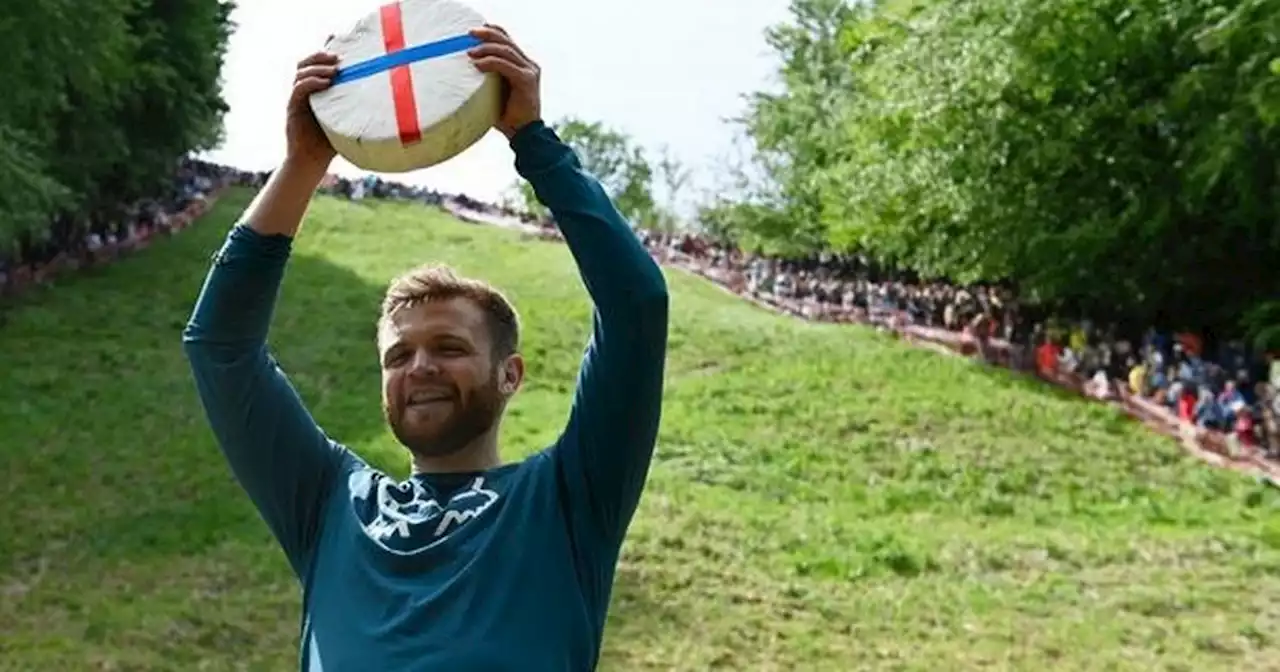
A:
1118,157
102,98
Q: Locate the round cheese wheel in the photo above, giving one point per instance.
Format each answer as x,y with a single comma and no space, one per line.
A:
407,96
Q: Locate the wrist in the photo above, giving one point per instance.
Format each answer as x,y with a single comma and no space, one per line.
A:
513,132
281,203
306,167
538,149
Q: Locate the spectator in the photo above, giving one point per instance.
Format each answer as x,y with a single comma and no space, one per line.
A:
1137,376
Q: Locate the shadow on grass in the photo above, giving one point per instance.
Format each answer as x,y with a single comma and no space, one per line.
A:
106,451
107,455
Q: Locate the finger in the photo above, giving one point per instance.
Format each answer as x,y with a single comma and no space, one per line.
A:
505,51
488,33
318,58
311,71
496,34
306,87
519,77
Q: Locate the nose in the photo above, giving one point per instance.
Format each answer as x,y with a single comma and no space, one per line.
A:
423,364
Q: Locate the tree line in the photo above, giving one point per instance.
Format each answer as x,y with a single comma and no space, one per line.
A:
1116,158
647,186
1113,158
101,99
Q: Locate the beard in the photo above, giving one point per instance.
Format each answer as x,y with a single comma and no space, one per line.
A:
468,419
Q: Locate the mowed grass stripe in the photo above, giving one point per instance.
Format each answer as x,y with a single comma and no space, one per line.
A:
824,498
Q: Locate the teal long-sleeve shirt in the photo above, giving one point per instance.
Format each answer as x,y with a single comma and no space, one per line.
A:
505,569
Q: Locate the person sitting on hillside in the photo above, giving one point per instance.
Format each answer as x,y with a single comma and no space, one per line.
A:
1048,355
1269,413
1242,426
1158,376
1208,412
1137,376
1183,396
1229,399
469,564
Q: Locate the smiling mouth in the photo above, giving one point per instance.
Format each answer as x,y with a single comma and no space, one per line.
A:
419,399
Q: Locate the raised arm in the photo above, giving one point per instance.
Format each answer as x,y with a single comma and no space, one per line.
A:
277,452
608,443
605,450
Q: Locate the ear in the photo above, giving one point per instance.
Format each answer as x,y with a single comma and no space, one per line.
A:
511,375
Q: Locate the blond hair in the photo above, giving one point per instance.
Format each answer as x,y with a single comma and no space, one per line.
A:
434,282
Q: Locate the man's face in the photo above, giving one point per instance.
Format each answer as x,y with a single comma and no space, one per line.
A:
441,388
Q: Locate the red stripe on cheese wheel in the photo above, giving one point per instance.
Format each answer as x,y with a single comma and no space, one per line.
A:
401,76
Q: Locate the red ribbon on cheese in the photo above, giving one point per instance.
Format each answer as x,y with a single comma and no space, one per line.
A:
401,76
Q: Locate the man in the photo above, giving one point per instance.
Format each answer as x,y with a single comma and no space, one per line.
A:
470,564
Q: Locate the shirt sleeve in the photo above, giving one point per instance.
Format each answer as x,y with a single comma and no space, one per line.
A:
282,459
605,450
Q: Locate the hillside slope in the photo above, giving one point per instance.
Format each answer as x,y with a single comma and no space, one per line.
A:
823,498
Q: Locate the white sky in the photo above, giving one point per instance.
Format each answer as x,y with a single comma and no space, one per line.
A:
664,71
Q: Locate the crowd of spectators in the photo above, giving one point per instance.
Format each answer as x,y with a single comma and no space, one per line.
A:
1231,390
1218,385
1223,385
35,257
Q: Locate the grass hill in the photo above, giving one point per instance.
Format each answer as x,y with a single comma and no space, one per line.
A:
824,498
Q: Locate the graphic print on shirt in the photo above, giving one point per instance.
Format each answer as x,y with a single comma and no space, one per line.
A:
404,518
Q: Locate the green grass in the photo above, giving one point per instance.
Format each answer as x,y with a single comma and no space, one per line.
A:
824,498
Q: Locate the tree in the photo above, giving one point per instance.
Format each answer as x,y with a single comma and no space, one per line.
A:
177,108
98,110
675,176
522,196
792,133
1120,156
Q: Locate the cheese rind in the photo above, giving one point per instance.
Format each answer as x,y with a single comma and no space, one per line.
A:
455,103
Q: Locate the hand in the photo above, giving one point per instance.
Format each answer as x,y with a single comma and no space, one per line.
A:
306,142
522,102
